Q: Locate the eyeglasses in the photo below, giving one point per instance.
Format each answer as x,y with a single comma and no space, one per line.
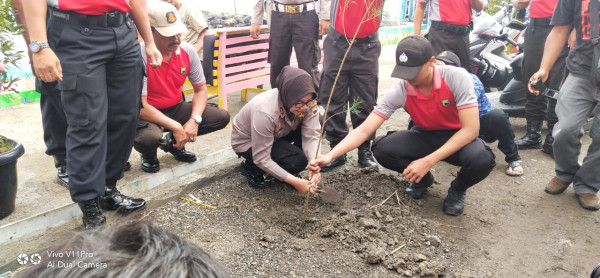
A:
301,104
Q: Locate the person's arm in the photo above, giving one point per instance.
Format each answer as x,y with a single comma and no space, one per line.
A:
419,15
151,114
555,42
350,142
257,18
325,15
477,5
139,13
46,66
469,120
198,105
520,4
200,43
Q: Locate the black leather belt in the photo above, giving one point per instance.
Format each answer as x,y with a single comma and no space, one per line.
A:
339,36
455,29
111,19
541,21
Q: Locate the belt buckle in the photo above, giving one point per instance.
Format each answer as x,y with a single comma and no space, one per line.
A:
292,9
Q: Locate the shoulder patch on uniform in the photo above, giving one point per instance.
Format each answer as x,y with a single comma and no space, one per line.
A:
281,110
445,102
183,70
278,128
313,108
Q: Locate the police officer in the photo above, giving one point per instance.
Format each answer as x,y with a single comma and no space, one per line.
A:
293,23
538,108
450,25
91,49
277,132
358,78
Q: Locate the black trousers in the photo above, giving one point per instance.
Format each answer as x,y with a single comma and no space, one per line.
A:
540,107
442,40
494,125
396,150
358,81
301,31
100,94
286,152
149,135
54,121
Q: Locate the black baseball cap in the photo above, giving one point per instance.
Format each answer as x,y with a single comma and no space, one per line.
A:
412,53
448,57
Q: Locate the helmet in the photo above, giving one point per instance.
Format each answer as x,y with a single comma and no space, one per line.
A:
490,73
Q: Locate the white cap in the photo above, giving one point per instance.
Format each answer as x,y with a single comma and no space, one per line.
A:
165,18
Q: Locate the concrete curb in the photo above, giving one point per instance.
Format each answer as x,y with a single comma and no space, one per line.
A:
37,224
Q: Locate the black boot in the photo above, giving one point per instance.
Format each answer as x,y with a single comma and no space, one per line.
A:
338,161
454,203
92,214
115,200
255,176
418,190
533,137
547,147
181,154
365,157
60,161
150,163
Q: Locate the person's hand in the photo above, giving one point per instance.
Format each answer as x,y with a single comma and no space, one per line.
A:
154,56
47,66
255,31
416,170
323,27
191,130
181,137
316,164
540,74
315,179
305,186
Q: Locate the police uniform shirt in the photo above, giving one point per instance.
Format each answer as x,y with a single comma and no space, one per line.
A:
163,85
262,121
193,18
452,91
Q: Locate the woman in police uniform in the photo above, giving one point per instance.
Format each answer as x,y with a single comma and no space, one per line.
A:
277,132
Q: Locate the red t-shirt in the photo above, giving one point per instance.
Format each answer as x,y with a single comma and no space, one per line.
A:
163,85
348,15
91,7
542,8
456,12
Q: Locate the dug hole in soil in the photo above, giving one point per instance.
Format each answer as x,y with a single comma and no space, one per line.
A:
510,227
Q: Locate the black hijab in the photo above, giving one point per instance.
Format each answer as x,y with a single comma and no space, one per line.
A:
293,84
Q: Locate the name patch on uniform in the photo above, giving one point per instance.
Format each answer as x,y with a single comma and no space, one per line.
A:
183,70
445,102
171,17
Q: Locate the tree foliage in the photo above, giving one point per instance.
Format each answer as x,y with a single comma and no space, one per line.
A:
8,29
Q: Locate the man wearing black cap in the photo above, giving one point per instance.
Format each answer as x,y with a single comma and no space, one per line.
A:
441,102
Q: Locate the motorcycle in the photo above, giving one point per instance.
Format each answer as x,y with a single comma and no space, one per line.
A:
499,72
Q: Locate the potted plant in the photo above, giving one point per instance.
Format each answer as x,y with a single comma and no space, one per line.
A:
10,150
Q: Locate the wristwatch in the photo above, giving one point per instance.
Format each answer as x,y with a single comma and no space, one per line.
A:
36,47
197,118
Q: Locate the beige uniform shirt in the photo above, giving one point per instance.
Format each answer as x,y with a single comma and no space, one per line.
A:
262,121
259,9
194,20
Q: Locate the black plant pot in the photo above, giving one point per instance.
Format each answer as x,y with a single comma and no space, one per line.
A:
8,182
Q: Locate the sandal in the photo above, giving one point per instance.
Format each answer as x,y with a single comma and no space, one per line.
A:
515,168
